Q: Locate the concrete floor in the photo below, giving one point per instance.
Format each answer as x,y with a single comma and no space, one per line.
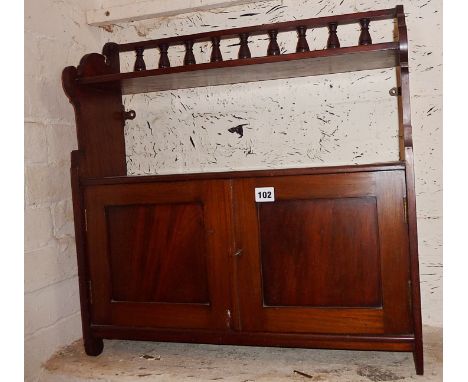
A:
155,361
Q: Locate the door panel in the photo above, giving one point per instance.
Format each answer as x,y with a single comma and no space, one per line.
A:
320,252
159,254
326,256
143,264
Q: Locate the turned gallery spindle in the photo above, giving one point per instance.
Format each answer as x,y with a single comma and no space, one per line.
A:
139,61
216,55
273,47
302,45
365,37
111,51
333,41
164,58
244,51
189,58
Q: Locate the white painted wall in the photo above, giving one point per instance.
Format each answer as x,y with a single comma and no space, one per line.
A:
143,10
56,35
319,124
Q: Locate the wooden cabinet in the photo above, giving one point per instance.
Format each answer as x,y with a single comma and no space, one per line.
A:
329,255
331,262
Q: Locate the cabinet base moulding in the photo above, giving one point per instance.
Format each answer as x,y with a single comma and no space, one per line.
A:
403,343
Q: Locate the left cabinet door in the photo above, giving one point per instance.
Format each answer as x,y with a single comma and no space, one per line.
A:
158,254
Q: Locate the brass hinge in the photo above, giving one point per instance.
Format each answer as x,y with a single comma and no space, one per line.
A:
90,289
86,220
405,209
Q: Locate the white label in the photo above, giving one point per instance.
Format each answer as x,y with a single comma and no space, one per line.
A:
264,194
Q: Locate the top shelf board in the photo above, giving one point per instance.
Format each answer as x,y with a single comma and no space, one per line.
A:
327,61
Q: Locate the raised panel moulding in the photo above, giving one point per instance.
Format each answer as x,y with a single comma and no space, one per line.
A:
144,10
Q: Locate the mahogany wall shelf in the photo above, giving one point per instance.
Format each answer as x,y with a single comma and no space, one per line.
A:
332,262
339,60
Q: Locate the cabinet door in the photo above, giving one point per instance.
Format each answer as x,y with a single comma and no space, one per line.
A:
329,255
158,254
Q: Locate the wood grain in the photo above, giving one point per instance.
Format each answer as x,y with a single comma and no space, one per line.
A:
150,244
168,241
320,252
102,144
274,236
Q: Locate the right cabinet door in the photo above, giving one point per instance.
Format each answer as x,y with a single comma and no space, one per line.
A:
328,255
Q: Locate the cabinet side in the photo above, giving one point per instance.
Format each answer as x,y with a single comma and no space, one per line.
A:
93,345
406,154
99,121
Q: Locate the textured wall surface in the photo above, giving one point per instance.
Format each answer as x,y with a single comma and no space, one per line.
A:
56,35
311,121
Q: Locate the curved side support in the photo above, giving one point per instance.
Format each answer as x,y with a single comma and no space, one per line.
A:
99,118
93,64
406,153
101,152
111,52
405,108
69,75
